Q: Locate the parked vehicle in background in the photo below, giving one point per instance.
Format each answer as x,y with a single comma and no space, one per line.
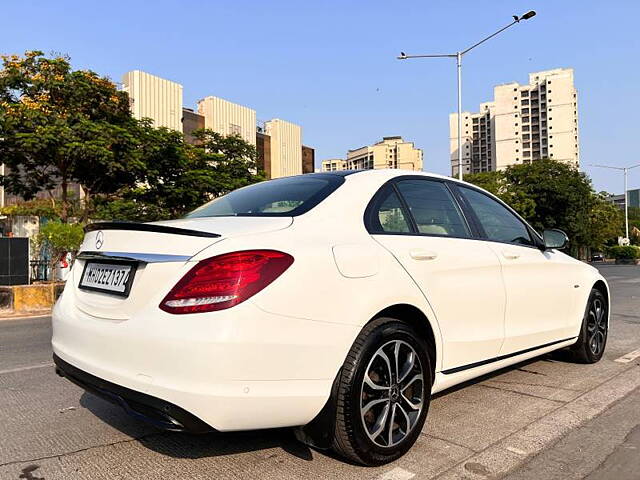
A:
597,257
335,302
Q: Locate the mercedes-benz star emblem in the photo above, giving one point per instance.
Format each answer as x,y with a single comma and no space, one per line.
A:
99,240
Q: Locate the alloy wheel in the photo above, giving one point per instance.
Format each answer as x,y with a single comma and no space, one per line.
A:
392,393
596,326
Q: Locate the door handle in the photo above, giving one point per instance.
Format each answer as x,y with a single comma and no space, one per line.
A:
510,255
423,255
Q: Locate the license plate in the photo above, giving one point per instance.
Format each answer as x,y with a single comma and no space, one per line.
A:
108,277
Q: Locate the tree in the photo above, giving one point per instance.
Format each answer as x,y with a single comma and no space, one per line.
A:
551,194
178,177
61,238
59,126
232,158
496,182
605,222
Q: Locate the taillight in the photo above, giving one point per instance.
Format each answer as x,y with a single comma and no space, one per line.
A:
224,281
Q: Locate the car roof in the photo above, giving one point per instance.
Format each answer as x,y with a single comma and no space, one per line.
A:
388,173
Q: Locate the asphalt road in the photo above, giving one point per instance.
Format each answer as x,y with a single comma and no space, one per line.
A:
542,419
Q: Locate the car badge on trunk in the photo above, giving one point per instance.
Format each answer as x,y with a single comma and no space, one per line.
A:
99,240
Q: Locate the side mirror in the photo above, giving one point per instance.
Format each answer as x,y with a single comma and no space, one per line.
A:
554,238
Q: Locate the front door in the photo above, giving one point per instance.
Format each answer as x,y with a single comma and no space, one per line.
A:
538,283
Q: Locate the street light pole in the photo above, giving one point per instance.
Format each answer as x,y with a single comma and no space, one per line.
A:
459,68
458,56
625,171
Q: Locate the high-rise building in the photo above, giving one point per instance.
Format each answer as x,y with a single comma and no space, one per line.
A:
522,124
155,98
228,118
286,147
279,146
391,152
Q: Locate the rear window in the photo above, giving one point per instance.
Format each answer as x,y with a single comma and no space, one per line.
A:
283,197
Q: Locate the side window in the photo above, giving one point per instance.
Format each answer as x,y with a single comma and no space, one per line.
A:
433,208
498,222
388,215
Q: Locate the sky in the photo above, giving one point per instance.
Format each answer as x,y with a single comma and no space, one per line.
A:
331,66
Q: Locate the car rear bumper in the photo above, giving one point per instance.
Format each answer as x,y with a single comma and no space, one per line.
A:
161,414
237,369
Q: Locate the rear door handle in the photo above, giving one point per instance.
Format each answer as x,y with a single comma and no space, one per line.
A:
423,255
510,255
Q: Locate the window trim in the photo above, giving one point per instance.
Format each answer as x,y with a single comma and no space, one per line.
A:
535,237
369,211
334,179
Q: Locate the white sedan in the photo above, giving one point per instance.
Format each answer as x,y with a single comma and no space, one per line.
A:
336,302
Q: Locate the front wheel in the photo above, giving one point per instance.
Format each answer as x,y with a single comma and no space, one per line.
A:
595,328
383,393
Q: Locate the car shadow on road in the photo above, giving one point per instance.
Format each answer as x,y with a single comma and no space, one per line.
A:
184,445
558,356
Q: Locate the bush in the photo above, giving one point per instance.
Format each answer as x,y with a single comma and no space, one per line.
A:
60,238
628,252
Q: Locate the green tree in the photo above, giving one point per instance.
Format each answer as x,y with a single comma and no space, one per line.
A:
59,125
551,194
232,158
605,222
178,177
61,238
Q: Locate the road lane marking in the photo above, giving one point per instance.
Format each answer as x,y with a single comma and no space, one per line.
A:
629,357
397,474
22,369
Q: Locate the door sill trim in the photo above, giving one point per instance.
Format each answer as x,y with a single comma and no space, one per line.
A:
449,371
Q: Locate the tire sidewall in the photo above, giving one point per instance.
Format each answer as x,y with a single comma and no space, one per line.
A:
370,452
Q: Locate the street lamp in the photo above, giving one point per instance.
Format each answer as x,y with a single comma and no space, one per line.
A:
626,196
458,56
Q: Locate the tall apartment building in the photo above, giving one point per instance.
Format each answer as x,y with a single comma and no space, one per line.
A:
228,118
286,147
391,152
154,97
522,124
278,144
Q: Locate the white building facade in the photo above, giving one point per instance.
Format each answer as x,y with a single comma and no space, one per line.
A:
228,118
391,152
286,147
153,97
523,123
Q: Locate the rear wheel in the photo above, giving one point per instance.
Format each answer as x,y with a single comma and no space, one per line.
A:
383,393
595,327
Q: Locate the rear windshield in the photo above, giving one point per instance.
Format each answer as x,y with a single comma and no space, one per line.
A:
283,197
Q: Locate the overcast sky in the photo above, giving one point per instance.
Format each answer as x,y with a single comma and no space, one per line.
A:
331,67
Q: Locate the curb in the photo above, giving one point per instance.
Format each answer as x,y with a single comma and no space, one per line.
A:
511,452
24,315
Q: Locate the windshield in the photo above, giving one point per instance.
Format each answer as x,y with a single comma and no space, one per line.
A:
283,197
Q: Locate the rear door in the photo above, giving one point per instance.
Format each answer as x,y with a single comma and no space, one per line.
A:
538,283
421,224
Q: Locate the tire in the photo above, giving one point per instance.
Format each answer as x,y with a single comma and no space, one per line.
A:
594,331
364,434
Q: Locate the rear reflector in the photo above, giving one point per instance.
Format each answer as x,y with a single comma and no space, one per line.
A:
226,280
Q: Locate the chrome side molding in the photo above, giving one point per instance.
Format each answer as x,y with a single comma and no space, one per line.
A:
133,257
